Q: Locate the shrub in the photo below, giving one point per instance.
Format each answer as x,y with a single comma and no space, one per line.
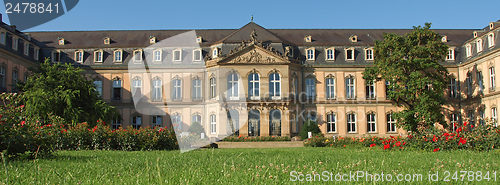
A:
255,138
316,141
309,126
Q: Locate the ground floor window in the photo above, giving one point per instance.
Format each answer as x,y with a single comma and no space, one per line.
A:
116,124
331,123
351,123
275,122
391,123
213,124
454,121
253,123
157,121
136,122
233,122
371,122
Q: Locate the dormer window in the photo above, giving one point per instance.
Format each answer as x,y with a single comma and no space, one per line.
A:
353,38
369,54
138,55
451,54
117,55
491,40
199,40
107,40
15,43
79,56
308,38
98,56
56,56
444,39
157,55
61,41
349,54
152,40
468,50
26,48
475,34
310,54
177,55
479,45
215,52
330,54
491,25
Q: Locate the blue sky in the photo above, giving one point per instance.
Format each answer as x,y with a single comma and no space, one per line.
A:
231,14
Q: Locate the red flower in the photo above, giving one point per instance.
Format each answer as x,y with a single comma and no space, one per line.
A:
434,139
471,126
459,129
344,146
22,106
435,150
398,143
23,122
387,146
372,145
462,141
465,124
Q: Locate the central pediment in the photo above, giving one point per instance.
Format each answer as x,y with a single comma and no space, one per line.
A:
254,55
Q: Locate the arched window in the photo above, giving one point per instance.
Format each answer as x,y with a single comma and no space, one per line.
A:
136,86
233,120
351,123
117,89
391,123
330,88
371,122
274,86
196,118
491,40
213,124
157,89
254,122
350,87
254,86
176,89
275,122
232,86
331,123
311,88
213,87
136,122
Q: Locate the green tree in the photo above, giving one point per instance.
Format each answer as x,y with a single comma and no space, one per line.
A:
62,90
410,63
309,126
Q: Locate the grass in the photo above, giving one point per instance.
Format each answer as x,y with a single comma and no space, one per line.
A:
237,166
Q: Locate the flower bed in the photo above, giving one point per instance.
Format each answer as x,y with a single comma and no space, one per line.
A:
255,138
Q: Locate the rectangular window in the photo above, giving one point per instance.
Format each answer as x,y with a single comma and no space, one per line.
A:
15,43
177,55
3,36
350,88
494,117
177,89
254,86
479,78
371,122
311,88
479,45
492,78
331,123
98,86
451,54
79,56
196,89
2,77
26,49
391,123
369,54
351,123
157,121
215,53
15,79
157,90
349,54
481,117
330,54
370,90
157,55
468,82
232,86
137,55
213,124
36,54
136,122
470,116
116,124
468,50
117,89
330,88
491,40
56,56
197,55
310,54
98,56
453,87
454,121
117,55
213,90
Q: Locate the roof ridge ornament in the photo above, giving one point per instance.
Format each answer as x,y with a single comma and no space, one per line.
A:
253,36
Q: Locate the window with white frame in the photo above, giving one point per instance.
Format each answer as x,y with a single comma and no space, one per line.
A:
369,54
479,79
177,55
310,54
494,117
311,88
213,124
330,54
157,55
176,89
98,56
196,91
479,45
56,56
197,55
371,122
350,87
136,86
492,78
136,122
196,118
138,55
176,119
349,54
156,121
491,40
116,123
3,37
79,56
232,86
451,54
330,88
253,86
157,89
453,88
98,86
370,90
215,52
274,86
391,123
468,50
15,43
454,121
331,123
26,48
213,87
351,123
117,55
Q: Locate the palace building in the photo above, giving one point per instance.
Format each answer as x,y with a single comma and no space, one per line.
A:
282,77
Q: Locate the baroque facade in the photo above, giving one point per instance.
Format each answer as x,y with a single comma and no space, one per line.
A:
277,78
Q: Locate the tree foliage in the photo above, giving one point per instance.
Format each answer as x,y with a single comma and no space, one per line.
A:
410,63
61,90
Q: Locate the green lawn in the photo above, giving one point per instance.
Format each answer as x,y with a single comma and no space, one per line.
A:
239,166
